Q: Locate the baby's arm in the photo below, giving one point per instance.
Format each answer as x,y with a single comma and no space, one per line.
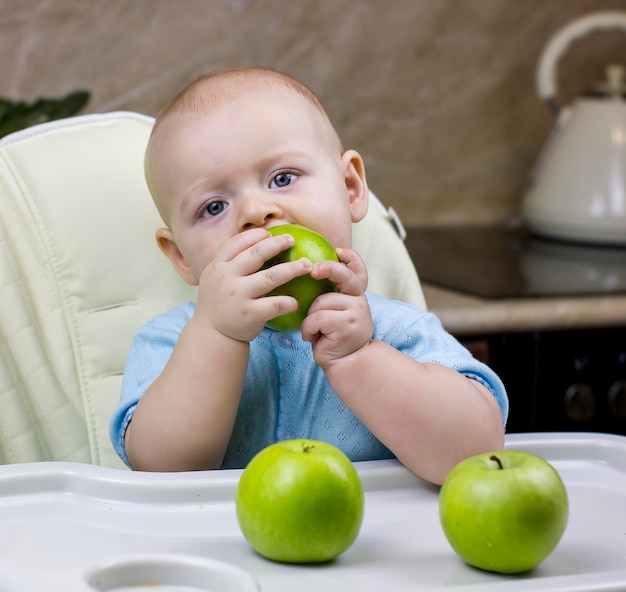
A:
185,418
427,414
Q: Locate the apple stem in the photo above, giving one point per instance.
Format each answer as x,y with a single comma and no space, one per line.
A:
496,459
307,447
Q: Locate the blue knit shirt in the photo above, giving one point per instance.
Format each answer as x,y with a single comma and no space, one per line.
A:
286,394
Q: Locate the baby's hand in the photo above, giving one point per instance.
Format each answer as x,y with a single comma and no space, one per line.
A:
339,323
232,289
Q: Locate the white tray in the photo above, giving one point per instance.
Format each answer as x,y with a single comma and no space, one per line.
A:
79,528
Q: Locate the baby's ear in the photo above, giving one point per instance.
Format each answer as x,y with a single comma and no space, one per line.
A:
167,244
356,184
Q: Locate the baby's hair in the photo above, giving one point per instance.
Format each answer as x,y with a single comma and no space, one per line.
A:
214,89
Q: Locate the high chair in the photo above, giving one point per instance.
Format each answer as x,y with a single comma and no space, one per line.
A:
80,271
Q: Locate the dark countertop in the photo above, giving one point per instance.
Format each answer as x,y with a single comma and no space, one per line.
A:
522,284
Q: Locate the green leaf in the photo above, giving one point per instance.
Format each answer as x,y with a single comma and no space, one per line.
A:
17,115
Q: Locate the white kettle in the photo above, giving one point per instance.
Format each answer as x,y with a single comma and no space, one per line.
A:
578,188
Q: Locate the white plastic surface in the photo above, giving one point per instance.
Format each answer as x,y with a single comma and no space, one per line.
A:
79,528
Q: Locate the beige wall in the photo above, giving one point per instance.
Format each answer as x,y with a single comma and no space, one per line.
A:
438,95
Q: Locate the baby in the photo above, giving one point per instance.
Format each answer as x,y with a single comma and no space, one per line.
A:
208,385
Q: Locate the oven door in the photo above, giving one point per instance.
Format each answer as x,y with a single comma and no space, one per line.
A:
561,380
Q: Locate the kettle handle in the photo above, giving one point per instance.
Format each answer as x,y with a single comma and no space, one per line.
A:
546,71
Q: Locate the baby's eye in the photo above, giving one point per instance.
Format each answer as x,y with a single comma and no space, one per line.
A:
282,179
214,208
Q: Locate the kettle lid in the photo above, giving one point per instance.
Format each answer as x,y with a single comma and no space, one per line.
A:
614,84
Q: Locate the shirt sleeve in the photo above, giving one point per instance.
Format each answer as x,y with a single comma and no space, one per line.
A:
421,335
150,350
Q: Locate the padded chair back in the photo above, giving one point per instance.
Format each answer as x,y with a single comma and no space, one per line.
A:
80,272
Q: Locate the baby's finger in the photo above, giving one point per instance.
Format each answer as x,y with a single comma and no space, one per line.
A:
340,327
350,277
265,280
241,242
352,260
271,307
258,252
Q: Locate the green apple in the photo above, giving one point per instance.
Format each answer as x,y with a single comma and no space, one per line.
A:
300,501
503,511
304,289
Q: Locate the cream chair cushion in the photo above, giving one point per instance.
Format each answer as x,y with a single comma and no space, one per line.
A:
80,272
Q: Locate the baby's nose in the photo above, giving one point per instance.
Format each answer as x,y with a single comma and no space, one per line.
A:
258,212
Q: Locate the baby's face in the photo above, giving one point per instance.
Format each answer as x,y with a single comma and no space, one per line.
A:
267,158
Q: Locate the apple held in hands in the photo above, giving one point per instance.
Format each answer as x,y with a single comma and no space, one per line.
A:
305,289
504,511
300,501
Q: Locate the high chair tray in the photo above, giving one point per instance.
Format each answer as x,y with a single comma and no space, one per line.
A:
79,528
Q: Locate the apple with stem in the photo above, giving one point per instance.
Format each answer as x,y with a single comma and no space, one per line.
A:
300,501
503,511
